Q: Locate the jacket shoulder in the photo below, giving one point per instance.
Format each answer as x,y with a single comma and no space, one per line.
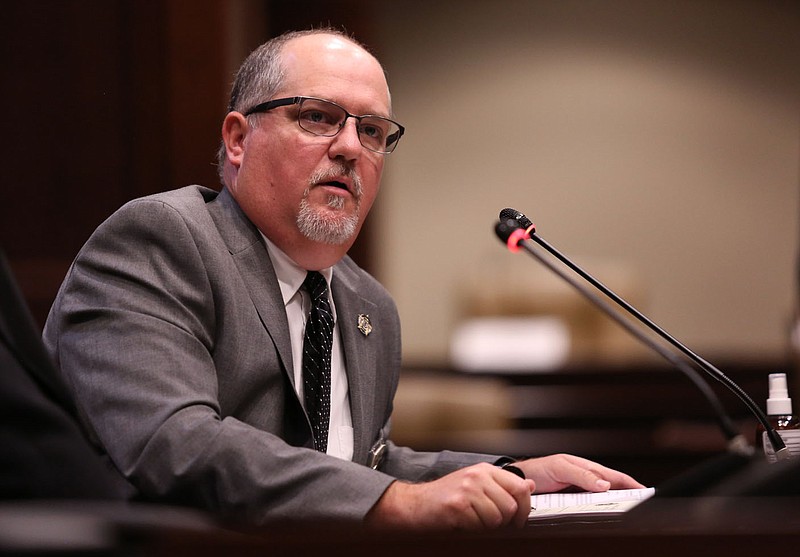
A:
181,199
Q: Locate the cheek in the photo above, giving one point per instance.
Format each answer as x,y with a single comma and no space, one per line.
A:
268,165
372,183
371,170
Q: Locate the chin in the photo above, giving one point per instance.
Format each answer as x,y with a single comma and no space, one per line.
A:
328,225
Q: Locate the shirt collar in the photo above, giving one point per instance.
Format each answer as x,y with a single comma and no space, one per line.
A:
290,275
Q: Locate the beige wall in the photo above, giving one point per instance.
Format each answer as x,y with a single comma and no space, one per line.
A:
659,136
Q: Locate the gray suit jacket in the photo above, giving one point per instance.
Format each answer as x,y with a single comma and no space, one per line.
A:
172,334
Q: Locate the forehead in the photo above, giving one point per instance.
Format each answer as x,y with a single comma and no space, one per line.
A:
332,67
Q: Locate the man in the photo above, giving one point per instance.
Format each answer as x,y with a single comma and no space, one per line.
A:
180,324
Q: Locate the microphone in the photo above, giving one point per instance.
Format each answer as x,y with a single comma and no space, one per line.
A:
513,235
514,228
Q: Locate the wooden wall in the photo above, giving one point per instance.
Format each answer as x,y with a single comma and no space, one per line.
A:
105,101
101,107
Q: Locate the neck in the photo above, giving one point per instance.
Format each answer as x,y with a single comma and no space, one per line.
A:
312,256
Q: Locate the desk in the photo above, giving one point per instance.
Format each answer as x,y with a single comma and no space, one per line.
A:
738,513
707,526
729,527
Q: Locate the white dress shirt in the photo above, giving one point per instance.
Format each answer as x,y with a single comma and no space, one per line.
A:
298,305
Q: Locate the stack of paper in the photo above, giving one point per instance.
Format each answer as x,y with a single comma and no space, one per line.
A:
585,505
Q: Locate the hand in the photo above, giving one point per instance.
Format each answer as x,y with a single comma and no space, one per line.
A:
556,472
479,496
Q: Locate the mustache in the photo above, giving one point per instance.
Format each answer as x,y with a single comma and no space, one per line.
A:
337,171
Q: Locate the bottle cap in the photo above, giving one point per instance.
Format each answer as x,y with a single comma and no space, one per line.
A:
778,403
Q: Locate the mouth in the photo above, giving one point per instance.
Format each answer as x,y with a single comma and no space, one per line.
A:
336,184
338,181
339,185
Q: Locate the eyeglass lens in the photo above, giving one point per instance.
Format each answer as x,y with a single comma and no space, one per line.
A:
324,118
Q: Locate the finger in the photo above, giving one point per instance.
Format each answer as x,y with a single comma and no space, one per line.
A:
519,491
471,519
556,472
476,498
594,477
500,502
582,475
607,478
619,480
491,508
524,511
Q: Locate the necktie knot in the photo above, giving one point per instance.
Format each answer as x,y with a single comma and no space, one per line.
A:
315,285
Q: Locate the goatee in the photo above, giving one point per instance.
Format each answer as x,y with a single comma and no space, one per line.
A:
330,225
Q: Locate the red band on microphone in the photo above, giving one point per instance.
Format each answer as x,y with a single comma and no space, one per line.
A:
515,238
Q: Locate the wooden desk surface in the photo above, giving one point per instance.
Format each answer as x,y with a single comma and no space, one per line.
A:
707,526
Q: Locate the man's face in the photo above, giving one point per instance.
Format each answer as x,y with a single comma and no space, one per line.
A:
311,193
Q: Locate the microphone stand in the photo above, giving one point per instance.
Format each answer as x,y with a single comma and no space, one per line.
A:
512,232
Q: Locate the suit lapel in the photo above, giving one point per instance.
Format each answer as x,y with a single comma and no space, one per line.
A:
248,251
360,358
360,351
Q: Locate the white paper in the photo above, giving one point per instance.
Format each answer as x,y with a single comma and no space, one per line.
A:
615,501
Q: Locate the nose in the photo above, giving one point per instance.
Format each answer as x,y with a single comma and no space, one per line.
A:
346,143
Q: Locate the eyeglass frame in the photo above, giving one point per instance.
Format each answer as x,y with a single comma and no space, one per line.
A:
288,101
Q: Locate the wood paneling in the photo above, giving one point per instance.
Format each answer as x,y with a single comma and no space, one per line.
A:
108,101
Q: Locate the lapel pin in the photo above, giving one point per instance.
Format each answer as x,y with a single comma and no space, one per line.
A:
364,324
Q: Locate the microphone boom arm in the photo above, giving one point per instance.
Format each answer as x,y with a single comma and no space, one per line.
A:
775,439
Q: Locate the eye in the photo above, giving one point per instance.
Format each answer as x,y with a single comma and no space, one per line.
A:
320,115
373,130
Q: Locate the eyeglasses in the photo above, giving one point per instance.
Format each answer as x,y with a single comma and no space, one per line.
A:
327,118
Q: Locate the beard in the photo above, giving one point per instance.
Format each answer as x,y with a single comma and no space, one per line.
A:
330,224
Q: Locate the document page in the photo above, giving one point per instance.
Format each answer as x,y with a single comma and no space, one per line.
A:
615,501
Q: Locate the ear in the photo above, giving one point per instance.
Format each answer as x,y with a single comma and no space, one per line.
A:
234,132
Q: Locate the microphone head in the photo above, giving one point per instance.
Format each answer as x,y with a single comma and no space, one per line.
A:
510,233
524,221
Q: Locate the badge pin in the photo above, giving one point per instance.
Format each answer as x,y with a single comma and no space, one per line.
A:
364,324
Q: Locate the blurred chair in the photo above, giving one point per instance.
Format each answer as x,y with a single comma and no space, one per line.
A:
44,451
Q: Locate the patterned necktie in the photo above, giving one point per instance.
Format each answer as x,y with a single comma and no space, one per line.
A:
317,359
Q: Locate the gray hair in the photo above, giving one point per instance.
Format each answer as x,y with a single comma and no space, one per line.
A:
261,75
